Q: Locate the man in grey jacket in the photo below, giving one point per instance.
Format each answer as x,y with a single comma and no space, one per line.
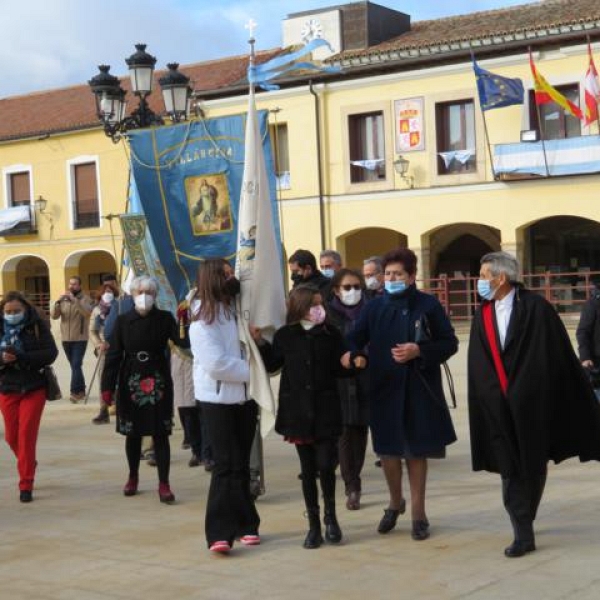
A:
73,309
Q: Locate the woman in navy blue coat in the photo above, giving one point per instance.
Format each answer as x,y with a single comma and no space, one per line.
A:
409,336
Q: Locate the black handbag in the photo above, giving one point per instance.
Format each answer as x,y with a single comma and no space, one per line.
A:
423,335
52,388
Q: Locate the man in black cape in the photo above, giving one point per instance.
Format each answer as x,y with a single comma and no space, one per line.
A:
529,398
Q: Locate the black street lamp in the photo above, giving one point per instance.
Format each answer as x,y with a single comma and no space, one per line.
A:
110,97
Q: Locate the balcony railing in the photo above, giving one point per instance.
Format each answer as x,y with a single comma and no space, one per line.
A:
570,156
84,220
17,220
567,292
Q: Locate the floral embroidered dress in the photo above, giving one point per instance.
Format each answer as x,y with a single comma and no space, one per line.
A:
137,365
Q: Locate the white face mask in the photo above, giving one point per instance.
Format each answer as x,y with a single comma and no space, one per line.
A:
372,283
144,301
350,297
107,297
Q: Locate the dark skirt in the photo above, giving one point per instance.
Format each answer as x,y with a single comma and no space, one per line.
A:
145,398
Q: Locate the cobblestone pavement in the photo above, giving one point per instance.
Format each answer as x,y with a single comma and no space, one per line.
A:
82,539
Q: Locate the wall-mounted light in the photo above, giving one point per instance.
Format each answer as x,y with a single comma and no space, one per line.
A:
401,165
530,135
40,205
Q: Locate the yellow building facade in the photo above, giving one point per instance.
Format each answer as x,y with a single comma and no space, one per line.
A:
337,144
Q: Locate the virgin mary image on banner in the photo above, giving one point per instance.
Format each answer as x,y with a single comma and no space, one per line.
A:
209,203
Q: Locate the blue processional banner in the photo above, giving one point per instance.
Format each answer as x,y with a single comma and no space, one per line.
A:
189,179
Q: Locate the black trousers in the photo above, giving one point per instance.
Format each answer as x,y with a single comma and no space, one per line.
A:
352,448
230,510
320,458
522,497
194,430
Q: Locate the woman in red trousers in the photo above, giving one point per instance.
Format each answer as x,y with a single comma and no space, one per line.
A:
26,347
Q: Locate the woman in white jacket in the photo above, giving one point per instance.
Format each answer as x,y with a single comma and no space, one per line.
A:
221,374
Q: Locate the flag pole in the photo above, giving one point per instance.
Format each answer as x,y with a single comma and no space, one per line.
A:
487,141
485,127
539,119
257,451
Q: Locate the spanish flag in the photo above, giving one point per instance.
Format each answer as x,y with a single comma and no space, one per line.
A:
545,93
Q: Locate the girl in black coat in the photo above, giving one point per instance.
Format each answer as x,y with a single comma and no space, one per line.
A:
26,347
308,350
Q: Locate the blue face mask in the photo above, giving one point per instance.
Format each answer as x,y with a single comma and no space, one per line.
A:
484,289
329,273
14,319
395,287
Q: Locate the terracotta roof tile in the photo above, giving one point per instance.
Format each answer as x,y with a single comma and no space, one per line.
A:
525,17
73,108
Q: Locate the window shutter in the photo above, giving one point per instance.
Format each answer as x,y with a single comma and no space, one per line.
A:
86,189
20,189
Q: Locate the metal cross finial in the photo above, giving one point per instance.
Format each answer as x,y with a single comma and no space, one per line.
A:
251,26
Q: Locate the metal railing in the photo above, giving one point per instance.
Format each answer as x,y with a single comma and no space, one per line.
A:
565,291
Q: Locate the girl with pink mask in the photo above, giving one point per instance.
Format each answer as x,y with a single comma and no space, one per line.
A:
308,350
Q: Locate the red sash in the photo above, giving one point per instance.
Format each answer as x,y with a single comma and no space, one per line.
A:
490,332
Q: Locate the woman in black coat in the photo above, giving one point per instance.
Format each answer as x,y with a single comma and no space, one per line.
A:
409,336
308,350
26,347
137,366
345,307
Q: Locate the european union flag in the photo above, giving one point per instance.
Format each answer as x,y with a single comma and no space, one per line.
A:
496,91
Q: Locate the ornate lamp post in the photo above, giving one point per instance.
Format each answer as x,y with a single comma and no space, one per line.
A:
110,97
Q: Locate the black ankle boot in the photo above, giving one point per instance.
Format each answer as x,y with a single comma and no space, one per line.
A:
333,533
313,538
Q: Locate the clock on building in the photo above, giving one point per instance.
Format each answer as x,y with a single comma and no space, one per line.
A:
311,29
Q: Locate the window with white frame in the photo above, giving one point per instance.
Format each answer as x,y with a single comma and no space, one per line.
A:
366,136
19,189
17,183
85,202
456,144
281,152
557,123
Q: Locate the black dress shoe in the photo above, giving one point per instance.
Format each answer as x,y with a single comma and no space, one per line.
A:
420,530
388,521
25,496
518,548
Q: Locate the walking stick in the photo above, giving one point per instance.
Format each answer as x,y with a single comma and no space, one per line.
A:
93,377
261,456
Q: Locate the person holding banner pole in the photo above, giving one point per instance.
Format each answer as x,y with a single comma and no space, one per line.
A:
221,378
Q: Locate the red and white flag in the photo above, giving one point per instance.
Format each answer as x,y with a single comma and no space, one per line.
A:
591,91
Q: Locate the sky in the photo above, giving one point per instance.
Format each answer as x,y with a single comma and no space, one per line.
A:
49,44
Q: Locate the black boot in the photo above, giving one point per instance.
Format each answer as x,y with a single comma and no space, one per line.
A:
333,533
102,416
313,538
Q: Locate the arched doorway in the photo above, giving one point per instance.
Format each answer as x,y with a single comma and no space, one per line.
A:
568,248
90,265
28,274
359,244
454,253
562,244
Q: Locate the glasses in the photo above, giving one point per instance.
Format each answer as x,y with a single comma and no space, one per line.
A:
348,286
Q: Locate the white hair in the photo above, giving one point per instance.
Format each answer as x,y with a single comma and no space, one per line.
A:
502,262
376,260
144,282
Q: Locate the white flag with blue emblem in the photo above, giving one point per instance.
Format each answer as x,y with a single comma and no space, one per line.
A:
258,266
